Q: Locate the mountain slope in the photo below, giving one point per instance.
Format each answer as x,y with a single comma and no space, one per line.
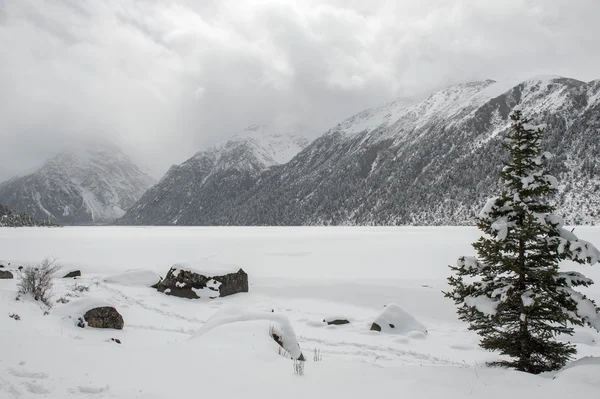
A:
89,185
207,181
9,218
433,162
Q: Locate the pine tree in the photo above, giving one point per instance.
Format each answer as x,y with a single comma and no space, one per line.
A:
513,293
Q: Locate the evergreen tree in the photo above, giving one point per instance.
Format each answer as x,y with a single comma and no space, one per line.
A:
513,294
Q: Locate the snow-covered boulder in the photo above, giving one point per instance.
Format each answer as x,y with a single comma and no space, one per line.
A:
4,264
72,274
132,278
5,275
281,330
186,282
395,320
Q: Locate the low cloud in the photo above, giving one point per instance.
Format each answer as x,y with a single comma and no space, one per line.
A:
166,78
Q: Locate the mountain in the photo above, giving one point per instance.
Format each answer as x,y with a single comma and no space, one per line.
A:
210,178
9,218
430,162
89,184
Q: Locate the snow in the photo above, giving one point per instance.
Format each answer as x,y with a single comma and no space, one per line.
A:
171,346
484,304
487,208
469,263
141,277
211,290
395,320
205,267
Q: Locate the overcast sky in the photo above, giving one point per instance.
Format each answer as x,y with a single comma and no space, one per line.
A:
164,79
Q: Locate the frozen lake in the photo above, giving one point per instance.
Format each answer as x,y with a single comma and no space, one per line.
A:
306,274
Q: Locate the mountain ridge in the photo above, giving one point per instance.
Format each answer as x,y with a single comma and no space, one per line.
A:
83,184
429,162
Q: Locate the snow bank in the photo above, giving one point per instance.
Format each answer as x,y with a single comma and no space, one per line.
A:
583,371
283,327
395,320
137,277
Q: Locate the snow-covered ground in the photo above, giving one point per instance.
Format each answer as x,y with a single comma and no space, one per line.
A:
303,275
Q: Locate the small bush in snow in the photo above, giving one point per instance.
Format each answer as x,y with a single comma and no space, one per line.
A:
317,357
298,367
80,288
37,280
62,299
15,316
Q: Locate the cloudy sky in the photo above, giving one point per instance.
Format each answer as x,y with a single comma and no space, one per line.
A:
164,79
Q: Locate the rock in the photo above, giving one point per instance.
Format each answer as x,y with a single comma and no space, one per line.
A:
117,340
5,275
192,284
104,317
336,322
395,320
72,274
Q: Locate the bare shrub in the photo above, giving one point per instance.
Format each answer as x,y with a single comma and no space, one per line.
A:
298,367
317,357
37,280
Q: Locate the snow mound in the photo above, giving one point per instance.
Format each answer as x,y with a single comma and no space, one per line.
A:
585,370
395,320
137,277
281,326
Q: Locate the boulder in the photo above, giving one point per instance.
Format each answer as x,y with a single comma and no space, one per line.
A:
4,264
104,317
72,274
188,283
395,320
5,275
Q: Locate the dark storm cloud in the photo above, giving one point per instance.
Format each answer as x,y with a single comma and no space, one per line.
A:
166,78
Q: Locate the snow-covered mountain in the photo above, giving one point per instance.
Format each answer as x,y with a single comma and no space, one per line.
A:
200,184
88,184
434,161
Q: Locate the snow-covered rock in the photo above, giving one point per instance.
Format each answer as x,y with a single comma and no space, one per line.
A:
395,320
280,327
90,184
187,282
71,273
6,275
